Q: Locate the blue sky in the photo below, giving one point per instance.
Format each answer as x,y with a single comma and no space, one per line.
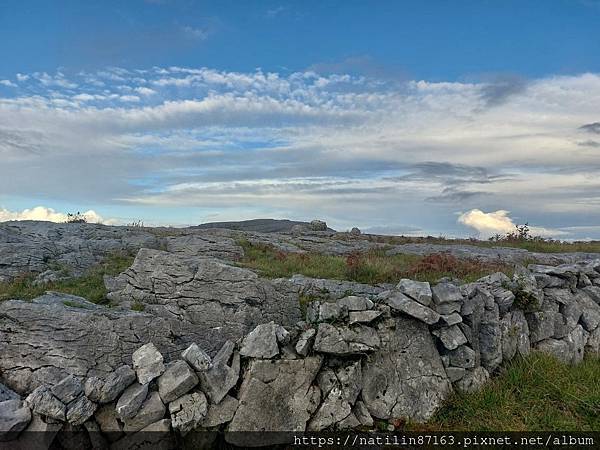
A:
424,117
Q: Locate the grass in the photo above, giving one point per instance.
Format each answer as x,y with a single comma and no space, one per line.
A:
89,286
372,267
536,393
533,245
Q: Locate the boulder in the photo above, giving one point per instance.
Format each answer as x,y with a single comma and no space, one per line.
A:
334,409
417,290
197,358
116,383
355,231
178,379
515,335
261,342
274,396
405,377
305,341
590,311
8,394
361,412
131,400
217,381
148,363
43,402
154,436
68,389
576,340
188,411
355,303
473,380
363,316
318,225
450,337
557,348
332,311
463,356
152,410
14,418
345,340
38,435
541,325
107,419
446,293
80,410
404,304
221,413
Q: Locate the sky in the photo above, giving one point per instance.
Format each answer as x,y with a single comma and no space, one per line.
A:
457,118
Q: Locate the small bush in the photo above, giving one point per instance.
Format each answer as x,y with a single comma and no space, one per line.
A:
76,218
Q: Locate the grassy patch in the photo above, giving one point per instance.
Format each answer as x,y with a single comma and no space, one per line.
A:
89,286
536,393
371,267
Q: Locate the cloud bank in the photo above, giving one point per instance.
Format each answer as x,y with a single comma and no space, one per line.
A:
42,213
196,143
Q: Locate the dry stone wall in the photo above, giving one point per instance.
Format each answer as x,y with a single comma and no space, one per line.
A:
355,359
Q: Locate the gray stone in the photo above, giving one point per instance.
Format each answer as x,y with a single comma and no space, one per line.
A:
155,436
593,291
473,380
557,348
14,418
592,345
80,410
116,383
305,341
451,337
451,319
152,410
355,231
318,225
363,316
345,340
283,336
463,356
405,378
490,337
97,440
178,379
261,342
106,417
331,311
417,290
576,340
41,401
362,414
334,409
515,335
197,358
274,397
446,293
221,413
572,313
590,314
221,377
349,423
355,303
541,325
93,388
402,303
38,435
188,411
148,363
68,389
8,394
455,373
131,400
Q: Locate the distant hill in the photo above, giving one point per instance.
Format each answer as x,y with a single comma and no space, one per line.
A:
257,225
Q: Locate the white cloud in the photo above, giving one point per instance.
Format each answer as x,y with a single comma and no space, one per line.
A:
7,83
499,222
41,213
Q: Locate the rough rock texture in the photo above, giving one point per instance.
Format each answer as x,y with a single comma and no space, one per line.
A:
274,397
152,409
261,342
405,377
207,293
223,375
178,379
188,411
148,363
14,417
131,400
403,303
345,340
197,358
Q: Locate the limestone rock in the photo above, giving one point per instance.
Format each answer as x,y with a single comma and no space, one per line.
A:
463,356
283,336
41,401
188,411
361,412
154,436
355,231
221,413
8,394
304,343
80,410
274,397
355,303
446,293
148,363
590,314
402,303
473,380
116,383
177,380
515,335
541,325
152,410
68,389
38,435
261,342
221,377
332,311
106,417
557,348
14,418
451,337
363,316
576,341
592,345
197,358
345,340
405,377
318,225
455,373
334,409
131,400
417,290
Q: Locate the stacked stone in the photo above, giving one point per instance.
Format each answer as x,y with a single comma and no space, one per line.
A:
354,359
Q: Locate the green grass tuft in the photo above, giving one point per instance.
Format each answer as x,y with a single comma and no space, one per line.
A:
89,286
536,393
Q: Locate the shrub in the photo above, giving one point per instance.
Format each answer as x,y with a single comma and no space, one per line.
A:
76,218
